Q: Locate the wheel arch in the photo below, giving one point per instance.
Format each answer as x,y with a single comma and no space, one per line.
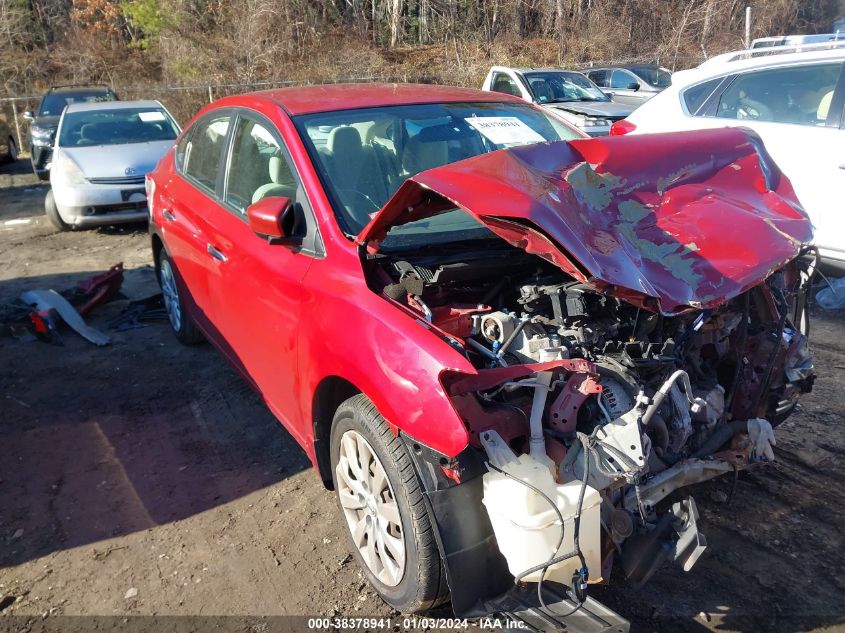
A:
330,393
157,246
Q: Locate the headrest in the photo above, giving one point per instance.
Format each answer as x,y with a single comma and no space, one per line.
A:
278,169
344,141
421,154
824,106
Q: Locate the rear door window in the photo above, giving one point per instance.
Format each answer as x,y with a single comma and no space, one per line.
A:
696,96
204,151
800,95
621,79
599,77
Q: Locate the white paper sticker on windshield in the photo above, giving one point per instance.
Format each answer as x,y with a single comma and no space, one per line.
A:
149,117
505,130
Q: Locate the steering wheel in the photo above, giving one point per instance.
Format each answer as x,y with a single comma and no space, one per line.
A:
752,110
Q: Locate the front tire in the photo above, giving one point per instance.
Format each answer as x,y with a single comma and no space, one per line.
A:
181,323
52,212
12,148
384,509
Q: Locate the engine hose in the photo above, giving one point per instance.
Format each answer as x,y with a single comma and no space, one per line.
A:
511,338
721,436
658,425
661,394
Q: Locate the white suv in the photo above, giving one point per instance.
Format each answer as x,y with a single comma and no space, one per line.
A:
794,98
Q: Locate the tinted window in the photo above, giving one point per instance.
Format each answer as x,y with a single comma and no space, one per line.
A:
364,155
503,83
621,79
696,96
116,127
653,75
599,77
204,150
258,166
800,95
54,102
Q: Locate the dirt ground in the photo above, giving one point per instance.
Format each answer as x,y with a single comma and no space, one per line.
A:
145,478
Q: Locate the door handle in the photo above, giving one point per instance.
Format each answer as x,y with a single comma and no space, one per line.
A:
168,215
842,167
216,254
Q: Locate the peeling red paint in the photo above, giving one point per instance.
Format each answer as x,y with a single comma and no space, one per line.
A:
669,221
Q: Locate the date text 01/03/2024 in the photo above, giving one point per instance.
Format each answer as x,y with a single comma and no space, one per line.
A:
411,623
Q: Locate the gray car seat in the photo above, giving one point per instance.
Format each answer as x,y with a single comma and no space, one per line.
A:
282,183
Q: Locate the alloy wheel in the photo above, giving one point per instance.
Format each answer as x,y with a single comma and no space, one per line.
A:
370,509
171,294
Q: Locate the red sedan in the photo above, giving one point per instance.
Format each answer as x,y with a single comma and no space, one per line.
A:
503,345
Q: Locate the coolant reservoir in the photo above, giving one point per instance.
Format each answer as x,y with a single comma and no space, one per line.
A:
527,528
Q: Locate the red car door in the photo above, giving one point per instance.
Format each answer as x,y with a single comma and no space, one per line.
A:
185,201
256,288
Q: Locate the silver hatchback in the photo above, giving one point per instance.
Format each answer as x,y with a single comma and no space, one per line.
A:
102,153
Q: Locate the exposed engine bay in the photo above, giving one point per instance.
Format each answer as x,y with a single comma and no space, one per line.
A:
591,412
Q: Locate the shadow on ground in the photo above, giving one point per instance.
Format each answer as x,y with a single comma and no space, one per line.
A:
104,441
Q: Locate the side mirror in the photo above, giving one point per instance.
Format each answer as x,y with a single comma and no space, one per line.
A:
633,86
274,218
28,115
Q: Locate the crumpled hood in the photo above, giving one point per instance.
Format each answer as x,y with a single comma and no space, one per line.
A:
667,221
609,109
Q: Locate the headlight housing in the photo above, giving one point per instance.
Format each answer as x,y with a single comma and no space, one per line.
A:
41,137
65,171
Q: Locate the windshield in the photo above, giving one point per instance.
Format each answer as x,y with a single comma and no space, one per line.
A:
116,127
653,76
54,102
561,86
363,156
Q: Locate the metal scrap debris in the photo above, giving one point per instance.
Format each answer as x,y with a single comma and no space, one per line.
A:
138,312
49,300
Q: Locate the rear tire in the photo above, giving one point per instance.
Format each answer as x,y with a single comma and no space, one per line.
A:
181,323
12,148
388,519
52,212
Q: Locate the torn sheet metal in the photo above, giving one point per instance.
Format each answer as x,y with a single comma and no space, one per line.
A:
98,289
669,221
50,299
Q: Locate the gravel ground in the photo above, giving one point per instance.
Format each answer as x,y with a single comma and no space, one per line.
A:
146,479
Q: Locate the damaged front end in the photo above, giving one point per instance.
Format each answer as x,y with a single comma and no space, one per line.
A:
634,328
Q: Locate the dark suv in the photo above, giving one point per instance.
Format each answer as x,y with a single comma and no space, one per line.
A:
42,129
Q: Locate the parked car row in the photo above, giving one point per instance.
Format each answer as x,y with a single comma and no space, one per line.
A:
45,121
591,101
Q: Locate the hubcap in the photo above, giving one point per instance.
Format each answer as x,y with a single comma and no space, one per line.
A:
171,295
370,508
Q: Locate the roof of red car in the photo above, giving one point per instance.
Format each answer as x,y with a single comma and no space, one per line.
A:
330,97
